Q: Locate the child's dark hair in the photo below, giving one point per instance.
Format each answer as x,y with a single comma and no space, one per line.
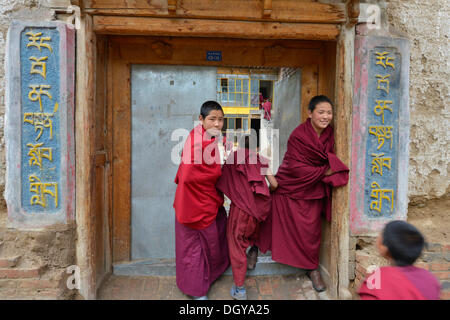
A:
316,100
208,106
404,242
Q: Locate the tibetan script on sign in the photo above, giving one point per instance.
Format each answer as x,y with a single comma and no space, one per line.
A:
41,151
382,139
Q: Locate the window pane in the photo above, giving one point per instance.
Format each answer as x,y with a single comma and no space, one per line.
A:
245,85
231,85
225,124
239,99
245,120
224,85
255,100
219,86
254,86
238,123
232,97
224,97
245,100
230,123
238,85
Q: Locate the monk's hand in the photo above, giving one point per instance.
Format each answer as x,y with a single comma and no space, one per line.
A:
272,188
329,172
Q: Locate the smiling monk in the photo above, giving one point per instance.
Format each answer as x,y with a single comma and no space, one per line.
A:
200,226
309,170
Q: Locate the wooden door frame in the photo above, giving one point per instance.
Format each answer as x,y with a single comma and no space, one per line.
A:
124,51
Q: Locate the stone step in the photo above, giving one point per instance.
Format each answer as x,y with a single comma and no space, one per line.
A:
166,267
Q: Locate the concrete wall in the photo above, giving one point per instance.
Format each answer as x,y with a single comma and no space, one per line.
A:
32,262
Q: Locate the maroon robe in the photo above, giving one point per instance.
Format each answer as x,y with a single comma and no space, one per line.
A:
201,255
243,182
293,231
400,283
197,200
200,225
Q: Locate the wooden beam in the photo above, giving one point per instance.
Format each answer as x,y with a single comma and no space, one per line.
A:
120,89
213,28
238,52
249,10
267,10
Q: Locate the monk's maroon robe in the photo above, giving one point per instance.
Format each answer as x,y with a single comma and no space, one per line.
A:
243,182
293,231
400,283
200,225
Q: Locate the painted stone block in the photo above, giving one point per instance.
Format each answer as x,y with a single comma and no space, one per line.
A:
380,133
39,125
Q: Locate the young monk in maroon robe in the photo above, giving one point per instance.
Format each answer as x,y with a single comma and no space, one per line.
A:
200,224
243,181
401,243
308,171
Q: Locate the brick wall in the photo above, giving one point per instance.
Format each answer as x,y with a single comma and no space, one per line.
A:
436,259
33,264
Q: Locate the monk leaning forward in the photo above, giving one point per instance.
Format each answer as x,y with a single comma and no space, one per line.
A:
309,170
243,181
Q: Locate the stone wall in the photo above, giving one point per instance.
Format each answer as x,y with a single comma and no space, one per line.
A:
427,24
33,263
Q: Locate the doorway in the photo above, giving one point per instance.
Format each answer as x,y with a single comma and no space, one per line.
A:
165,104
144,116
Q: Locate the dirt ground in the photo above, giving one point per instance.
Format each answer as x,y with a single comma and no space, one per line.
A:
432,218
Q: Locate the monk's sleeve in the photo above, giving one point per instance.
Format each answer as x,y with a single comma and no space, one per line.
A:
300,169
340,172
254,177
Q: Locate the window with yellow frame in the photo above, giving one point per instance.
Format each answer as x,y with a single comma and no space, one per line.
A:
233,91
236,122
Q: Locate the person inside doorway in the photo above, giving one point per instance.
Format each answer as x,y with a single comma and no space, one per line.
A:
401,244
243,181
200,225
308,171
267,106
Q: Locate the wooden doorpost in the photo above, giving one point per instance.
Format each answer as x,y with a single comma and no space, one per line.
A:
84,137
343,123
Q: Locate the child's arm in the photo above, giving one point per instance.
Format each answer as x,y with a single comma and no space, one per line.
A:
272,181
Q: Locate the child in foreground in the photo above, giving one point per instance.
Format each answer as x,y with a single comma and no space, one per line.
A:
400,243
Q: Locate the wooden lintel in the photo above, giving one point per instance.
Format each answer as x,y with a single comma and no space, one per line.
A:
267,10
245,10
172,6
352,12
213,28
